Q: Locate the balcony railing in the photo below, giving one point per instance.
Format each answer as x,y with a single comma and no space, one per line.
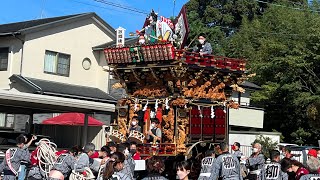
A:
163,53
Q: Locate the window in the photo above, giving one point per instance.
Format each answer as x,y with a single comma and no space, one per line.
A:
4,52
57,63
6,120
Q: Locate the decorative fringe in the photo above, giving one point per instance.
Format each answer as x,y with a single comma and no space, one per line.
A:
167,103
136,105
152,114
156,105
212,112
145,106
199,108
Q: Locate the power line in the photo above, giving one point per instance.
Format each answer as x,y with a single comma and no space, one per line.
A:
122,6
93,5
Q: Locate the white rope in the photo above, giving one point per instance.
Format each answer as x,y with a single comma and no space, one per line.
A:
156,105
200,113
145,106
152,114
136,105
167,104
46,155
212,113
77,176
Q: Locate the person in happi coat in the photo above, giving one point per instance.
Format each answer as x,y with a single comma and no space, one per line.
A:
83,161
273,170
207,165
313,163
129,164
13,158
236,148
310,177
256,162
226,166
63,166
114,166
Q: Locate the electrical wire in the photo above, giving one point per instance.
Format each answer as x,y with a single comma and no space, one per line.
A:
122,6
102,7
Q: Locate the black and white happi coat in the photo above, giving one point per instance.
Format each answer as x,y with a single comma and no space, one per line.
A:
226,166
272,171
206,168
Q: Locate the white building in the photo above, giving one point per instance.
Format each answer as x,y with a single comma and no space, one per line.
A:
48,66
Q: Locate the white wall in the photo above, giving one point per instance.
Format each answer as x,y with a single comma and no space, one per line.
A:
246,117
14,60
76,39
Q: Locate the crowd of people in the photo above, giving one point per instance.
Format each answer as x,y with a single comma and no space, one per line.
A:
280,166
117,161
112,162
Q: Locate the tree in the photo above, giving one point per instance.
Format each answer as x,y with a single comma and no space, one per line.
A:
218,19
266,143
280,39
300,136
282,48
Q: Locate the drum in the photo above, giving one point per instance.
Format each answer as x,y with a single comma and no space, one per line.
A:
117,137
136,136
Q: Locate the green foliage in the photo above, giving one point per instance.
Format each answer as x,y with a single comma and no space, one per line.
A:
282,45
266,143
300,136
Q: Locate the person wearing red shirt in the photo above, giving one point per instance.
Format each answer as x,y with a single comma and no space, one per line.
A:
134,152
298,168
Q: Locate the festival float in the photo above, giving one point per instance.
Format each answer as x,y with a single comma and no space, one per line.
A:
188,93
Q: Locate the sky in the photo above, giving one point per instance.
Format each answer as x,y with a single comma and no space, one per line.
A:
23,10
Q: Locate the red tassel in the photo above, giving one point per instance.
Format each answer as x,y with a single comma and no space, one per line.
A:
147,115
159,114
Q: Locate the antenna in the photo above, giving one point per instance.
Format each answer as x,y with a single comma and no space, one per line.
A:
174,6
42,9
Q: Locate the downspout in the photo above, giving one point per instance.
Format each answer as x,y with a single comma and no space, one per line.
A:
21,59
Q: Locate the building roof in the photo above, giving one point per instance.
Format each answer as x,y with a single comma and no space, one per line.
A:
250,85
21,27
128,42
27,103
39,86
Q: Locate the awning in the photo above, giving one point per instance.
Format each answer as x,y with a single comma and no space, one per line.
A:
72,119
24,103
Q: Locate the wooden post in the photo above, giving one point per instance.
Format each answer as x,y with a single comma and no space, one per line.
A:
85,130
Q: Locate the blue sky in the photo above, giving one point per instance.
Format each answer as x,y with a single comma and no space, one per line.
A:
22,10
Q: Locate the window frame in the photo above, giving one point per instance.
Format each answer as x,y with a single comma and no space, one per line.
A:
6,116
5,69
56,63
